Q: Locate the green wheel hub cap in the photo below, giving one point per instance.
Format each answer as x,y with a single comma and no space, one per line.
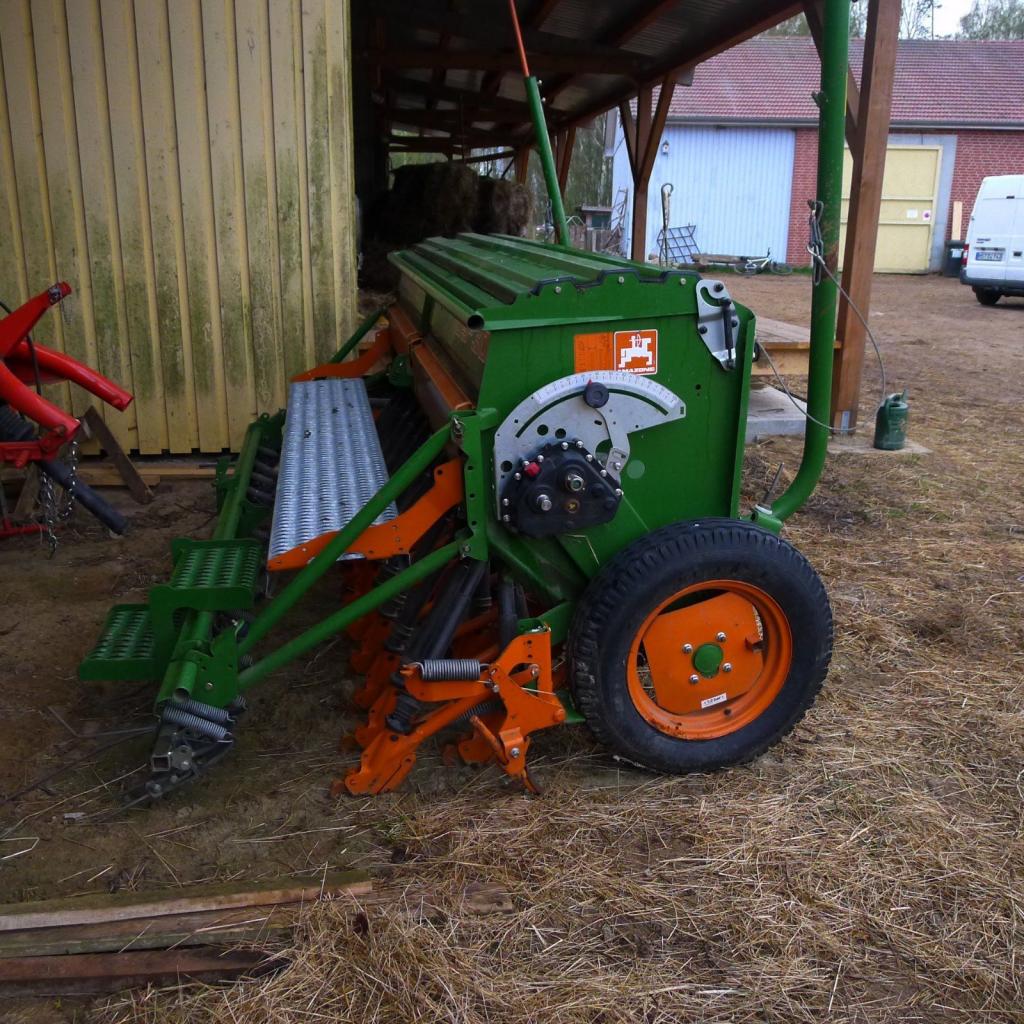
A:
707,659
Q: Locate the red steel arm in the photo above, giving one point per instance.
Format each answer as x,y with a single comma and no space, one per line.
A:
16,325
59,426
58,366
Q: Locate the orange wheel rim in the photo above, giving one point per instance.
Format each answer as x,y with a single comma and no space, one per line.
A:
709,660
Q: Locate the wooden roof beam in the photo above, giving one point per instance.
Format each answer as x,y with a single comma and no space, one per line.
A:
685,59
491,83
619,34
627,65
446,120
463,98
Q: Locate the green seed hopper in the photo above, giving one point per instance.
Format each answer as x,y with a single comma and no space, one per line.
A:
525,475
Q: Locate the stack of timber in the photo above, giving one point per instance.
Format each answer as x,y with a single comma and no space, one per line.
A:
103,943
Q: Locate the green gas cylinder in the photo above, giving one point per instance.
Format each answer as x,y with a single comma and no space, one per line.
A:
891,423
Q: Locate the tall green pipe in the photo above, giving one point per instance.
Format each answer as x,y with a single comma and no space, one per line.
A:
416,464
547,160
824,298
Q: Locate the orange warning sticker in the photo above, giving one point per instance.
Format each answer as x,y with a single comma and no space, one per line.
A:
593,352
632,351
636,351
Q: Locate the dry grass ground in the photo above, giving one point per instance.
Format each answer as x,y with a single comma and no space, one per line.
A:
871,868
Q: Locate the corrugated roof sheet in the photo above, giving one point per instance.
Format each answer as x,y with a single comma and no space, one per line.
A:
942,81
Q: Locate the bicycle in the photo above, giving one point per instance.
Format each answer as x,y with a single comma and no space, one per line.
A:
748,266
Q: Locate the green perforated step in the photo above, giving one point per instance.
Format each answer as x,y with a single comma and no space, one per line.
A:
211,575
126,648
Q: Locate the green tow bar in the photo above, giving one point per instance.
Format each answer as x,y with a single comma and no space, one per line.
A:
824,299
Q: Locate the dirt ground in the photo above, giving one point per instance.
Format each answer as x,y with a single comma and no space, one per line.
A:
870,868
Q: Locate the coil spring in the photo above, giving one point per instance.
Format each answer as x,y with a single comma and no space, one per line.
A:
401,633
461,669
263,482
391,609
173,715
486,708
258,497
196,707
407,707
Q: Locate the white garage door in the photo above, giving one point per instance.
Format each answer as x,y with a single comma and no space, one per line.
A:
734,184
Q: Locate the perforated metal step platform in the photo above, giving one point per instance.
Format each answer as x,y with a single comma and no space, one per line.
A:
126,649
331,462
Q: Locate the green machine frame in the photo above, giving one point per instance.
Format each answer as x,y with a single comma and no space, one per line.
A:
175,638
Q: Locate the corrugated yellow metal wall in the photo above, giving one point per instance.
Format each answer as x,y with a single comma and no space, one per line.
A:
187,166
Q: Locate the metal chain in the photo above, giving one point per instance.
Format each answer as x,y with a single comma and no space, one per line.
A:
67,505
54,512
816,242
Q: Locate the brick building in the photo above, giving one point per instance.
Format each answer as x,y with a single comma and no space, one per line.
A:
740,147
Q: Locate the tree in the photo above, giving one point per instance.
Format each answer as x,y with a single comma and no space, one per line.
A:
994,19
917,19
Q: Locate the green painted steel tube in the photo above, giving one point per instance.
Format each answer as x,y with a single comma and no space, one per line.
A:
361,331
181,675
227,521
824,299
344,617
416,464
547,160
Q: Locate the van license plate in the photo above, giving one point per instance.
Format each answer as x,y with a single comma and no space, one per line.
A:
990,257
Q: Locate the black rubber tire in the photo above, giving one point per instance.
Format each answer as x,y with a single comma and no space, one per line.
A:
648,572
987,296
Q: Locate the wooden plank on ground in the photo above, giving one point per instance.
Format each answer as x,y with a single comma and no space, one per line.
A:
100,474
101,907
108,476
91,973
207,928
238,925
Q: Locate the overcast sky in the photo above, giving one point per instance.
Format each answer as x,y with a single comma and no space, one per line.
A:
948,14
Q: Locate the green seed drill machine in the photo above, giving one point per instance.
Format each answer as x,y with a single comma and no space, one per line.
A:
526,483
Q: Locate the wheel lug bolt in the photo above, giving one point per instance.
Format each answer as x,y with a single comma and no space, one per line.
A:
727,667
687,648
695,678
720,637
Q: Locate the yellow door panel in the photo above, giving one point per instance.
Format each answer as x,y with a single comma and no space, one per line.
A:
907,213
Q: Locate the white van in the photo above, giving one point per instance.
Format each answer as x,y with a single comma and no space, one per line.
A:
993,260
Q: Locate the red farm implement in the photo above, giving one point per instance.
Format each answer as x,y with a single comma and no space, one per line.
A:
32,429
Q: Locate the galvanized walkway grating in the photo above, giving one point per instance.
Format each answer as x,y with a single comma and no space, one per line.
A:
331,462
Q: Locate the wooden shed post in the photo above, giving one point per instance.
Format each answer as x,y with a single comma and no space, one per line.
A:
642,136
867,148
522,164
565,140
